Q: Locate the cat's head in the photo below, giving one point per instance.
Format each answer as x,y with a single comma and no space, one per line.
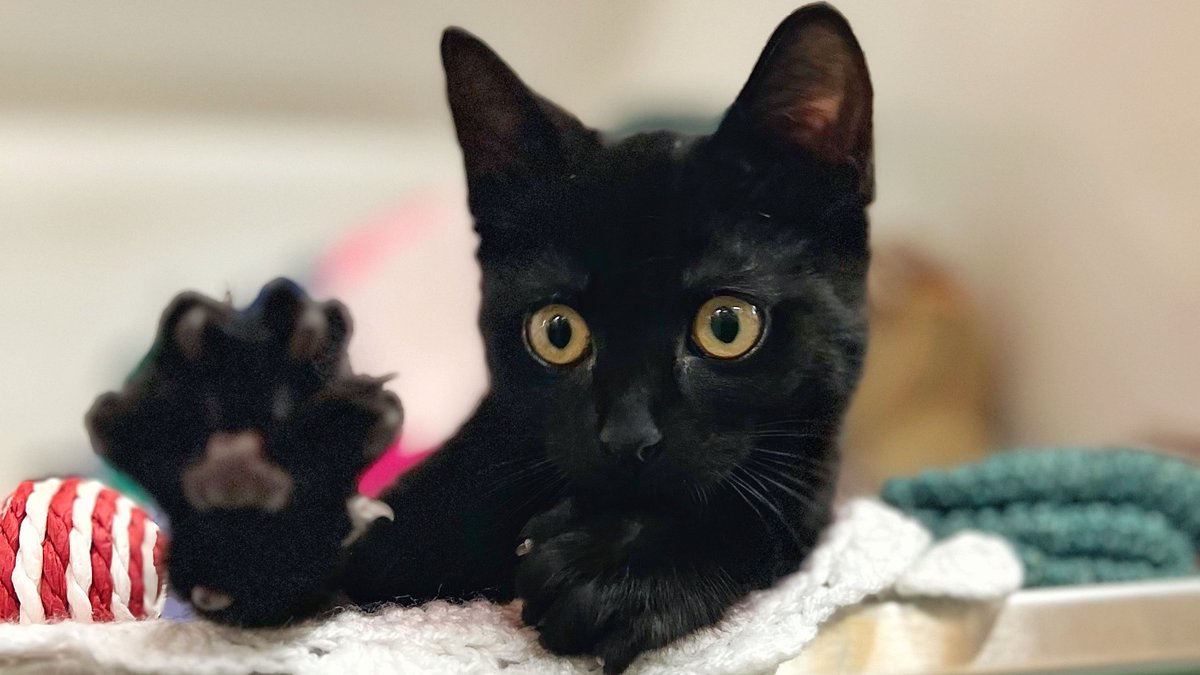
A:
666,311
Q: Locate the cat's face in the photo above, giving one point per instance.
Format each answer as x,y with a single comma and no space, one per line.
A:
667,312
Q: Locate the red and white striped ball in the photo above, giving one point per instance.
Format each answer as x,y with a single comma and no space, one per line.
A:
75,549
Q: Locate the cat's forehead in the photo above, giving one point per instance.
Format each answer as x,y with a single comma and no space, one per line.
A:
653,212
619,207
638,221
675,261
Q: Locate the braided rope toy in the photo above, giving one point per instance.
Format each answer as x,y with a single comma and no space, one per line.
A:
75,549
1074,516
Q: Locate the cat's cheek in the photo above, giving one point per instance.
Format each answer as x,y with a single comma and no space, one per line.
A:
570,438
698,381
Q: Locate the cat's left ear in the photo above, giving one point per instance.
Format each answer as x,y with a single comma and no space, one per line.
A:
810,92
505,129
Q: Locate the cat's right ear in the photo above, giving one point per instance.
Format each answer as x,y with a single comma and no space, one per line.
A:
809,93
505,129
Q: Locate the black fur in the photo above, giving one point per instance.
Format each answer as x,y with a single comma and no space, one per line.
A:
320,423
655,485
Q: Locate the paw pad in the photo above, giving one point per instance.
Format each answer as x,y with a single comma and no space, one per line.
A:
235,473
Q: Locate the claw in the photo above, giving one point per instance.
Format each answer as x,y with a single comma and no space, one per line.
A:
98,419
524,548
363,511
207,599
189,333
312,329
384,432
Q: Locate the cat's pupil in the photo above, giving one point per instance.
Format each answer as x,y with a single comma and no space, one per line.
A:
558,331
724,324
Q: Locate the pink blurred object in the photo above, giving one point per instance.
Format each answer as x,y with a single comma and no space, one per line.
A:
395,462
411,282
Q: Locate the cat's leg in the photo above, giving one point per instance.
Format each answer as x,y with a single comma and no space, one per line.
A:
459,517
249,429
614,586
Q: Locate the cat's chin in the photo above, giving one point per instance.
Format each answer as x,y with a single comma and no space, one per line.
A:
646,486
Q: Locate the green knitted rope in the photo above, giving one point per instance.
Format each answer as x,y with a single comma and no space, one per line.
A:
1074,516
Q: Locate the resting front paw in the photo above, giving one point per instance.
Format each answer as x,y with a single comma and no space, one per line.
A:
601,589
250,429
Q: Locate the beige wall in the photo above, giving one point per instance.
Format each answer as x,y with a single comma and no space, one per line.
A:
1049,150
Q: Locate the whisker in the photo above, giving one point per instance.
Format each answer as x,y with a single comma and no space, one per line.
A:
522,475
766,502
800,495
787,433
518,459
798,459
793,472
775,462
791,422
790,491
789,459
546,489
781,453
738,485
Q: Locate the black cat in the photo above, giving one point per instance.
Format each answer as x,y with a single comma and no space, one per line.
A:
673,326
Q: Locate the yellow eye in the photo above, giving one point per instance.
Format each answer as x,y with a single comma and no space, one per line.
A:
726,327
557,335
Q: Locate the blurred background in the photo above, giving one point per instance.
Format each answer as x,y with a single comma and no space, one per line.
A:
1036,222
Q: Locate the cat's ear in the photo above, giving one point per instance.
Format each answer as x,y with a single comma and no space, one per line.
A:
810,92
504,128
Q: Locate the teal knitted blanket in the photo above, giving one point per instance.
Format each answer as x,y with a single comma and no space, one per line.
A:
1074,516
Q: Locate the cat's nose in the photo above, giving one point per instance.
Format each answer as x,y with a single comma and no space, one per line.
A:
629,428
629,442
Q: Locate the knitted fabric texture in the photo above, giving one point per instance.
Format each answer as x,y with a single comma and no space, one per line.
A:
1074,516
869,550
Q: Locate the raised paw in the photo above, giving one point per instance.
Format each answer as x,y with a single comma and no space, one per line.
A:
250,429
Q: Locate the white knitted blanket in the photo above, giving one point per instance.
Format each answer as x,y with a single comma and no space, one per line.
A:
871,549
